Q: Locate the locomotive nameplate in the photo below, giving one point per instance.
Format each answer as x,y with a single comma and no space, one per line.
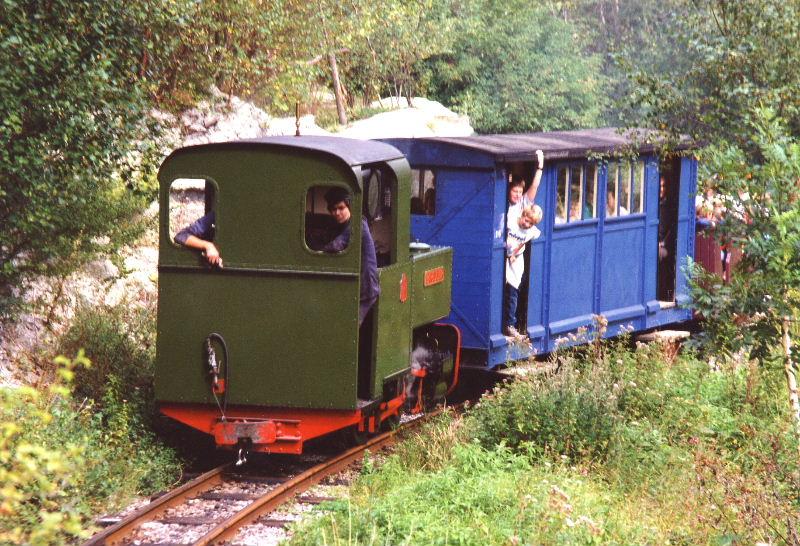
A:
433,276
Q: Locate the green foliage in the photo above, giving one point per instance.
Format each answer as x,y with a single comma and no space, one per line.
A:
513,67
390,40
763,220
481,497
120,341
627,37
687,455
566,414
60,464
731,58
35,479
71,114
258,50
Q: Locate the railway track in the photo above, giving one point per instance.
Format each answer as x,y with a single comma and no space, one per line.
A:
216,505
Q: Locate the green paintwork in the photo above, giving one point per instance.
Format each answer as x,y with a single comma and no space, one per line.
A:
431,302
291,327
393,335
289,316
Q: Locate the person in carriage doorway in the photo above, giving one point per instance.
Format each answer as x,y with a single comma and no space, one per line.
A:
522,216
338,201
667,240
200,236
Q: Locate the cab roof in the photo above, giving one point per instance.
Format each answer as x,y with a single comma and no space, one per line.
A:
351,151
563,144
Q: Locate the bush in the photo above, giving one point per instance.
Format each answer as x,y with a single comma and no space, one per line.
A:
120,342
571,413
619,446
60,464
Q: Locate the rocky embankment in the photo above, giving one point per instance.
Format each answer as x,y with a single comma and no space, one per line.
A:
131,278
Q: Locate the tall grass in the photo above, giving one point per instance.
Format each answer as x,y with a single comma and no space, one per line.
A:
620,445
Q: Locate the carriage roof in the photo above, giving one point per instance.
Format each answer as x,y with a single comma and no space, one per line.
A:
563,144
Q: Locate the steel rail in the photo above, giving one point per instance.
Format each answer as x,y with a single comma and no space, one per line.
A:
122,530
270,501
118,532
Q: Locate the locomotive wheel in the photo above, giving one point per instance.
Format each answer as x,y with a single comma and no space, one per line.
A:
390,423
358,437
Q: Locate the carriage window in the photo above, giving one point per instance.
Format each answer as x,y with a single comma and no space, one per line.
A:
190,199
624,189
611,189
423,192
590,204
327,218
575,194
561,196
637,193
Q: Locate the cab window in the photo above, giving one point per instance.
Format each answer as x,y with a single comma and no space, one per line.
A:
327,219
380,185
191,199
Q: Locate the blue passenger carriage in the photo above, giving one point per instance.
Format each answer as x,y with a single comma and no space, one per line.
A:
618,228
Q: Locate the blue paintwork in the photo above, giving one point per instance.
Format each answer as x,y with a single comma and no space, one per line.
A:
602,266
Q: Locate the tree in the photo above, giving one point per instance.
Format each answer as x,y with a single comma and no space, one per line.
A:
254,49
71,111
763,219
735,57
395,38
513,67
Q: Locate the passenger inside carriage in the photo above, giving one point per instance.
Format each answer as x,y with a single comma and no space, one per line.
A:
522,216
611,205
521,230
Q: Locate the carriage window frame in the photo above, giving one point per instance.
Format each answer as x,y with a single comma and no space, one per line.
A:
566,185
419,186
209,205
625,174
632,171
575,200
561,210
637,183
590,182
323,187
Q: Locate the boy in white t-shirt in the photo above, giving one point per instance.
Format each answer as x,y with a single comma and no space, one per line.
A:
520,227
521,230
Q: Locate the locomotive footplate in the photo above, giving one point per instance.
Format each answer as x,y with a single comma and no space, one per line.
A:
259,432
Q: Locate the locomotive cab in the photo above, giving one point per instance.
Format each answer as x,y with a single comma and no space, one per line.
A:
267,351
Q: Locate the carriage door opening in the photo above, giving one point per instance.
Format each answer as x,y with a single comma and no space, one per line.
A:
669,186
520,171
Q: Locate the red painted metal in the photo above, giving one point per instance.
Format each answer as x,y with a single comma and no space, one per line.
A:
219,386
275,430
714,257
403,288
433,276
